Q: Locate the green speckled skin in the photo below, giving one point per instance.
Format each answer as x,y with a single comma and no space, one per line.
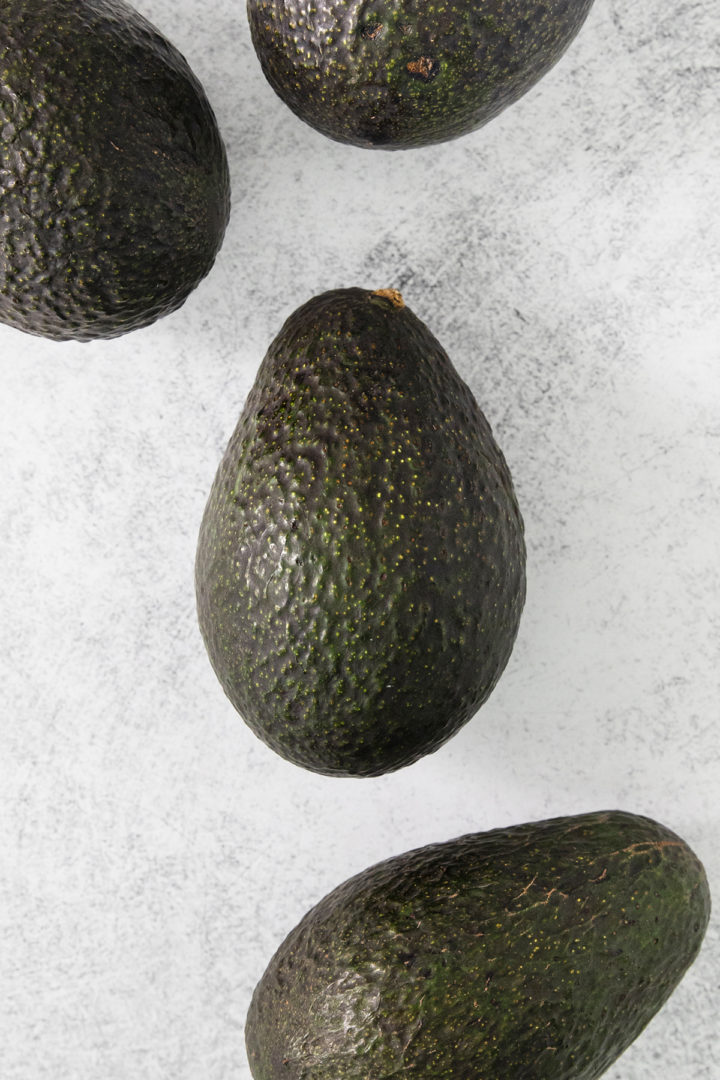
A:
397,74
114,186
361,563
533,953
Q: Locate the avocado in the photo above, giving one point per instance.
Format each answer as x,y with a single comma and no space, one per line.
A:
361,563
397,74
114,181
537,952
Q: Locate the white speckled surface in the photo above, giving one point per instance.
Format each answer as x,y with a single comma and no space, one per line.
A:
152,852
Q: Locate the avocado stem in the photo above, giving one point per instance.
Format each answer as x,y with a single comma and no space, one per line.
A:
392,295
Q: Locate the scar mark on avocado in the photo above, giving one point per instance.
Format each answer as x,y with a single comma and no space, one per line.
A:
526,889
424,68
643,846
539,903
372,31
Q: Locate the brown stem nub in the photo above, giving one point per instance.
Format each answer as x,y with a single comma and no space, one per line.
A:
392,295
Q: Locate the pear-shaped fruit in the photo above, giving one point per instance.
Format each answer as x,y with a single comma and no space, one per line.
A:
361,564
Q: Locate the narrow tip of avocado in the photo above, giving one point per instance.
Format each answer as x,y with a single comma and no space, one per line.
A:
392,295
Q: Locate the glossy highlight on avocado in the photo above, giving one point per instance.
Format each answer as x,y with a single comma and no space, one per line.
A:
114,184
397,74
361,562
539,951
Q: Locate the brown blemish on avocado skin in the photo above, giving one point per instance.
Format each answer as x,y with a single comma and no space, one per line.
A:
371,32
424,68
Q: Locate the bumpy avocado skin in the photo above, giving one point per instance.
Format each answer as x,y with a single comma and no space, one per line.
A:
114,184
397,74
538,952
361,563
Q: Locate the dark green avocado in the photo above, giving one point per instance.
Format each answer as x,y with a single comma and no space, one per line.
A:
361,563
538,952
404,73
114,187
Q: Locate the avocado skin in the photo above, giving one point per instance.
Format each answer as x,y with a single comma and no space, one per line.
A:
378,73
114,180
361,562
538,952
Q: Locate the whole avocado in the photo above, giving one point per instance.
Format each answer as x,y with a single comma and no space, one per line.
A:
397,74
114,182
538,952
361,563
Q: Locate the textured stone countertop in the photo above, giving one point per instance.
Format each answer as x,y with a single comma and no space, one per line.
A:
153,853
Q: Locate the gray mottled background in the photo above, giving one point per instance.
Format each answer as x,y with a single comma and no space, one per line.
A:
152,852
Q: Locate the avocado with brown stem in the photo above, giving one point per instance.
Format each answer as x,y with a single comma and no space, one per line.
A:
361,561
